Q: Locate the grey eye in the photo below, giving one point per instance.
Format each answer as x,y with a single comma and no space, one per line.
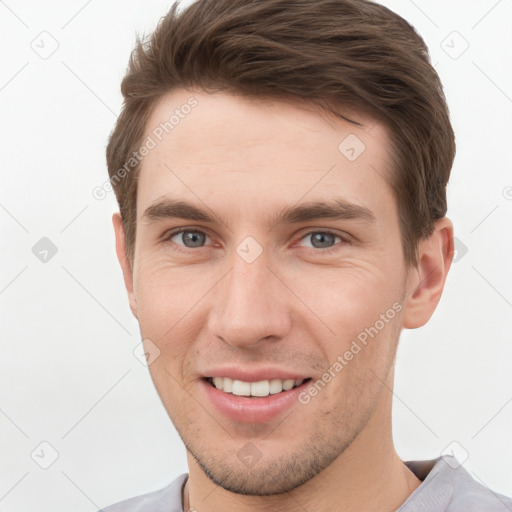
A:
190,238
321,239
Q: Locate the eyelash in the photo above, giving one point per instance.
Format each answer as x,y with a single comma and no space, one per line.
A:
344,240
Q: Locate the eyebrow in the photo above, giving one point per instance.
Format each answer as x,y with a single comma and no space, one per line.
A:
167,209
337,209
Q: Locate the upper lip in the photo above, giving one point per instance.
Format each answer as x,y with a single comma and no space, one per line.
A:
254,374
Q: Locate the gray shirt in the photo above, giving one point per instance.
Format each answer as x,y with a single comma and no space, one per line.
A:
446,487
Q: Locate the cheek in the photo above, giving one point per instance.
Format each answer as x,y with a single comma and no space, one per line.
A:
167,295
167,314
359,308
351,298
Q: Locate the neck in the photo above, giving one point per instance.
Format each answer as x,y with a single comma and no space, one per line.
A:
368,475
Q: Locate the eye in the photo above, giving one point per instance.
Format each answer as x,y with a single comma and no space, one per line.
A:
190,238
326,241
323,239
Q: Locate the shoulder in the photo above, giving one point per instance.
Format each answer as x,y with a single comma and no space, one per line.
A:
167,499
472,495
449,487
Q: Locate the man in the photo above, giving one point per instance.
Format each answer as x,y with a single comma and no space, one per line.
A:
281,171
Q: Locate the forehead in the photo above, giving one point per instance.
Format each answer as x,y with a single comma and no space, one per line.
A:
244,154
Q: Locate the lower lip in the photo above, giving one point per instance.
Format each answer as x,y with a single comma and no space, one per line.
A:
251,410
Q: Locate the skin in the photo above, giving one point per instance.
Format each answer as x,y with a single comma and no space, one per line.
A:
298,306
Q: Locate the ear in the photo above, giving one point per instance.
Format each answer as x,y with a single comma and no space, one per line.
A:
124,261
425,282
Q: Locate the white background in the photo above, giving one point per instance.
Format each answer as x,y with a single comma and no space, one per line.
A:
68,373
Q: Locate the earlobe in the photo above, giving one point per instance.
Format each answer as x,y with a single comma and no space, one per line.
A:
426,281
124,262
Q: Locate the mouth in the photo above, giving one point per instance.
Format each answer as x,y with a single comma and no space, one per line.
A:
260,389
254,401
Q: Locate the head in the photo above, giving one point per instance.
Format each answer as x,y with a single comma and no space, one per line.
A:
303,149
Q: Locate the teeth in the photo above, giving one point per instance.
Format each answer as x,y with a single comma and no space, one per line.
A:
227,385
288,384
276,386
241,388
261,388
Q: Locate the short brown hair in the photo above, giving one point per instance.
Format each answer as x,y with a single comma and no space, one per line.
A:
339,54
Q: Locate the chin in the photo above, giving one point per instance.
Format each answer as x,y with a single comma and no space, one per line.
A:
272,474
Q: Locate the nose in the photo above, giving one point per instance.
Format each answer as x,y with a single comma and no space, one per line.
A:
249,305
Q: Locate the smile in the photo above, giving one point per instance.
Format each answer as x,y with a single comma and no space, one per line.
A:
258,389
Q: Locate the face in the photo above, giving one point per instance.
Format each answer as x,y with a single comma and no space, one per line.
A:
268,255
